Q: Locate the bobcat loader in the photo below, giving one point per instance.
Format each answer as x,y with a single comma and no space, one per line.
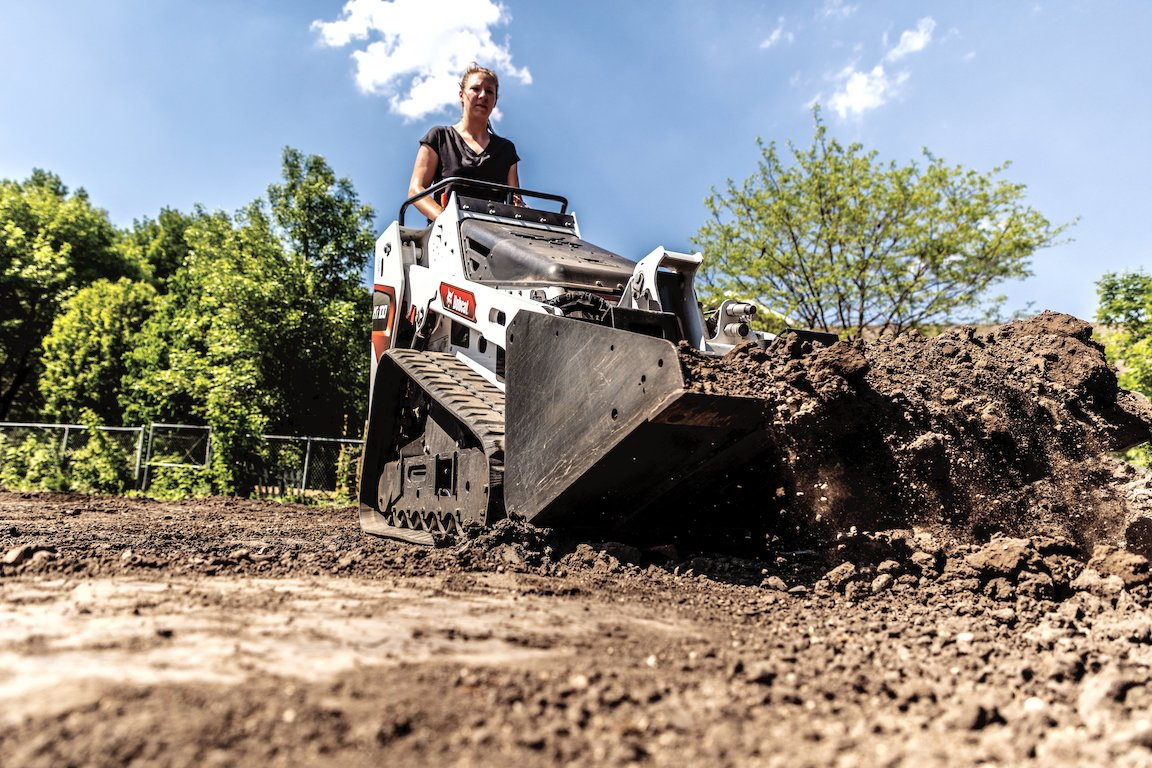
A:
518,369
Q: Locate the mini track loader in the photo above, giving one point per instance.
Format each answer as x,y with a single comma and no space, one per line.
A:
518,369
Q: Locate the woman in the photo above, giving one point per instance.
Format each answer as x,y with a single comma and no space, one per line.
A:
469,148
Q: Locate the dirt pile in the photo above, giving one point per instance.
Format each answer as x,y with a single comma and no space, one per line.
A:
971,433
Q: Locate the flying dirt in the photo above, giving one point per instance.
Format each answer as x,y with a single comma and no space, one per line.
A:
1008,429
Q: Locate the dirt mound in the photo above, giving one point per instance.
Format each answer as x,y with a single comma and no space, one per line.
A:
971,433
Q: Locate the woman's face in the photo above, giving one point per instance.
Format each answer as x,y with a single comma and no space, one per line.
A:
479,95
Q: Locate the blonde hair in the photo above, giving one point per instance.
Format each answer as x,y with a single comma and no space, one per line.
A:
476,69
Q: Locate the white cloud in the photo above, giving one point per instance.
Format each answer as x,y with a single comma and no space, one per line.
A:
912,40
777,35
414,51
860,91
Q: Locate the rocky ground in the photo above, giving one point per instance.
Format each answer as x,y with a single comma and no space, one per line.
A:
228,632
958,574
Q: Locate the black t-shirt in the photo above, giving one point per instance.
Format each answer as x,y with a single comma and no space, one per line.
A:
459,159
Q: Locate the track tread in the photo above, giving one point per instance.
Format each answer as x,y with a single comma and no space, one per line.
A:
469,397
477,405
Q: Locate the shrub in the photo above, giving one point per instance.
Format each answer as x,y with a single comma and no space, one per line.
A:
101,465
32,464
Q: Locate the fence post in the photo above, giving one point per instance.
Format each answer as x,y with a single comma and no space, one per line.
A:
147,458
307,459
139,456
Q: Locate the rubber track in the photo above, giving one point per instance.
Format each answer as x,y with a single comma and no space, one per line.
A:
472,400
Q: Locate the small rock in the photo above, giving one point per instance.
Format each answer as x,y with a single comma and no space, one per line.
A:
881,583
1004,557
972,717
924,561
1004,616
1093,582
18,554
841,574
1033,704
774,582
1130,568
1035,584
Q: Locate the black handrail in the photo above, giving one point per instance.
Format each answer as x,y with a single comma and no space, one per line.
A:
489,186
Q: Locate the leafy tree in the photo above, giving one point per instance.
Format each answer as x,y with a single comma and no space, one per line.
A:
197,356
1126,310
51,244
321,220
84,354
838,241
263,327
102,464
328,237
160,243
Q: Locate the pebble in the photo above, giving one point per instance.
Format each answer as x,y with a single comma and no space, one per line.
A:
840,574
18,554
776,583
1034,704
881,583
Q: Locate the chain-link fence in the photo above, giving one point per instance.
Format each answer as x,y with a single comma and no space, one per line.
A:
118,459
309,466
174,446
69,456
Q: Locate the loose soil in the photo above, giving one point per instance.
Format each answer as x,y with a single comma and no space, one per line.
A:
957,574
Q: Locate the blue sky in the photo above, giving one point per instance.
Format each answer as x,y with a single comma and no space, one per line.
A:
633,110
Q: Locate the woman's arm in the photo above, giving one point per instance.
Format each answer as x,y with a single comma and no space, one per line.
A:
422,174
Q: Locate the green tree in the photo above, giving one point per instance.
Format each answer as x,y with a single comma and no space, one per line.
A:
1125,314
838,241
328,237
159,244
51,244
1126,311
321,220
197,356
264,326
84,353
